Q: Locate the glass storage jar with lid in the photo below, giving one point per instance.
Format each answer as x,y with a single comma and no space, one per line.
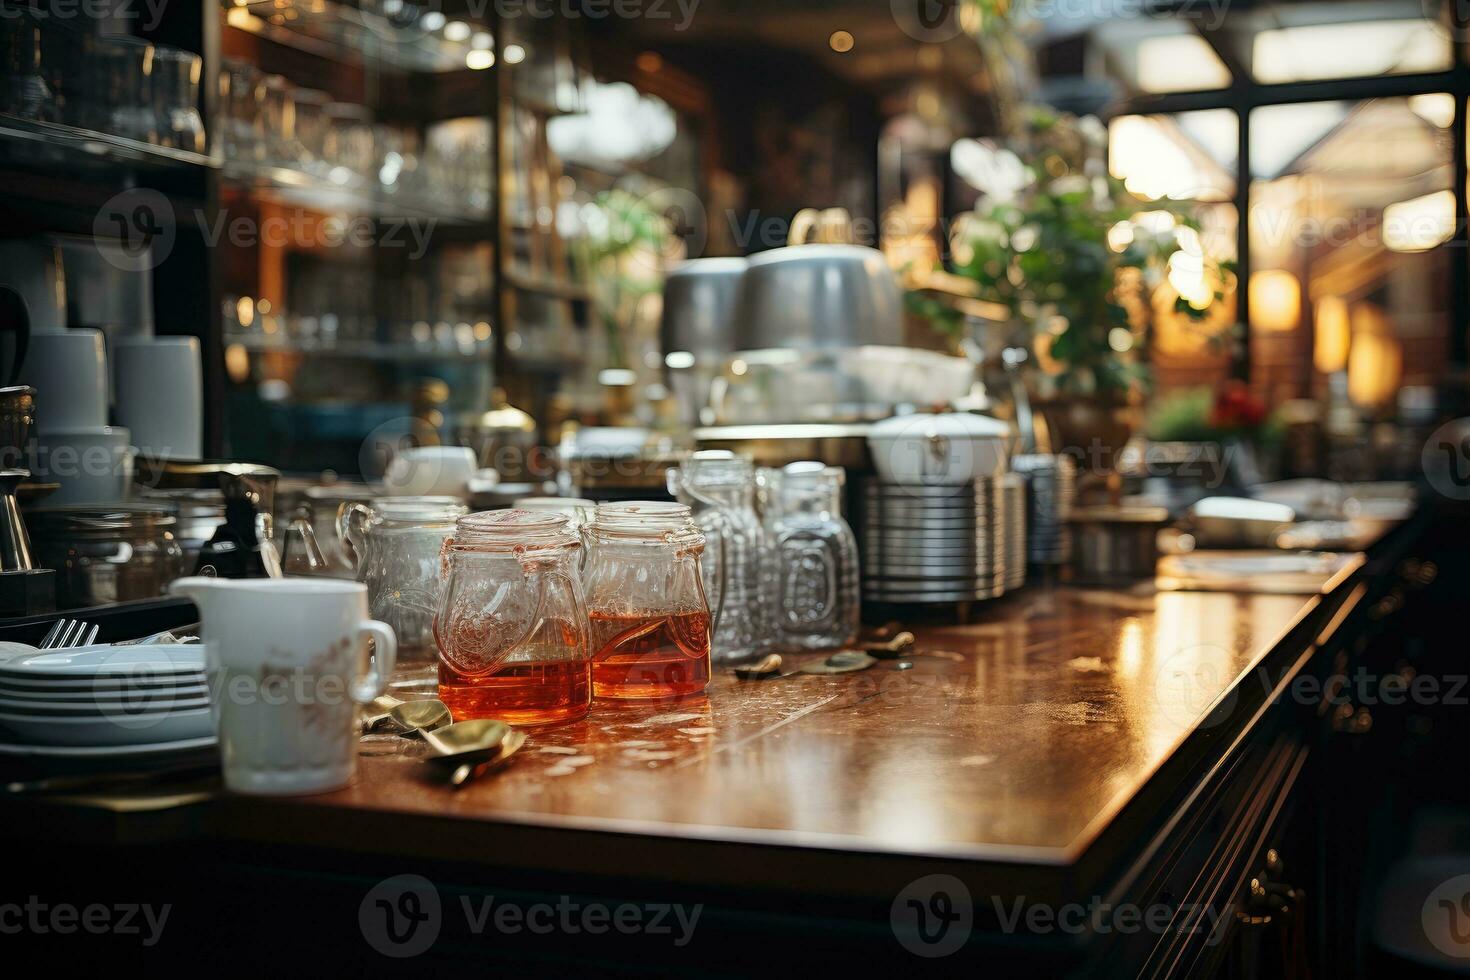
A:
512,626
720,489
393,544
105,553
647,611
816,601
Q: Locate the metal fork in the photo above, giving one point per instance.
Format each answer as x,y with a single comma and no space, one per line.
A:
68,633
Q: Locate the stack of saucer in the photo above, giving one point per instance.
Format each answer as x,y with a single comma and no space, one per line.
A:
123,704
1051,484
933,543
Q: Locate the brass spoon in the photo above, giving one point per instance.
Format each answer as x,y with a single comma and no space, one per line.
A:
379,711
417,717
468,771
473,741
767,667
893,648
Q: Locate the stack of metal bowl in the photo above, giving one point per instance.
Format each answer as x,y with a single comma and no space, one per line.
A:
1051,483
926,544
1013,487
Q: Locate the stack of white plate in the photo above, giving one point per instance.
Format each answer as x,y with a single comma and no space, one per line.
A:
933,543
1051,488
115,703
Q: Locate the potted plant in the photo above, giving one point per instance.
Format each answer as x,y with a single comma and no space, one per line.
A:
1211,436
1076,258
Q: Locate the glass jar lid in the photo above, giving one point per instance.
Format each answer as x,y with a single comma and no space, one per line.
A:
417,510
513,530
644,520
717,468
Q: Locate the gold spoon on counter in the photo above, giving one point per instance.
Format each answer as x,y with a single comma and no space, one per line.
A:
468,749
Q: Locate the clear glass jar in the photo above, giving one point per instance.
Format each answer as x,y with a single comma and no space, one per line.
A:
512,626
816,601
719,487
394,546
106,553
646,604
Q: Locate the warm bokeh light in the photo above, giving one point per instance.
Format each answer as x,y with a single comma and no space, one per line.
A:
1420,223
1276,301
840,41
1333,335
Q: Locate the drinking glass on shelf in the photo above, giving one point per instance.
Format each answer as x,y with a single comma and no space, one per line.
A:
278,117
240,95
23,88
125,66
311,128
349,142
176,93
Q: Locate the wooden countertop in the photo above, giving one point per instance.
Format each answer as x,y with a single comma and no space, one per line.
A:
1018,739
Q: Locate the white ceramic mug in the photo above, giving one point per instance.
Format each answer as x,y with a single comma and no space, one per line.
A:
68,369
428,471
160,394
286,660
93,464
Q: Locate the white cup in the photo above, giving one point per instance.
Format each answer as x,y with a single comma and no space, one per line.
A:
286,660
160,394
93,464
430,471
68,369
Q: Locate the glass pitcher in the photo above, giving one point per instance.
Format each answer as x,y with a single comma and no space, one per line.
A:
719,487
816,601
512,626
393,545
646,605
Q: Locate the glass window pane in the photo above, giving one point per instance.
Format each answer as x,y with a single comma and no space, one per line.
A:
1160,55
1186,156
1306,41
1351,205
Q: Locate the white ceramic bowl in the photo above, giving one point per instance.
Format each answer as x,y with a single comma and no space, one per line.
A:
954,448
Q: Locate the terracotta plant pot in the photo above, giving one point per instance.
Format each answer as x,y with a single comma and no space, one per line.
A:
1093,431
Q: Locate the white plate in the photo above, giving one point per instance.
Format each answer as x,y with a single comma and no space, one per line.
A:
100,682
121,729
55,694
9,650
100,709
148,749
150,660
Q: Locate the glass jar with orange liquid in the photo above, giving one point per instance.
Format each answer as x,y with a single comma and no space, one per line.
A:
512,625
647,611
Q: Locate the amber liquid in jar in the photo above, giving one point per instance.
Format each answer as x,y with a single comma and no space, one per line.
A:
519,693
644,656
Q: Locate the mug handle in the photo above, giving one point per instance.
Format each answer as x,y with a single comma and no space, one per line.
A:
385,644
